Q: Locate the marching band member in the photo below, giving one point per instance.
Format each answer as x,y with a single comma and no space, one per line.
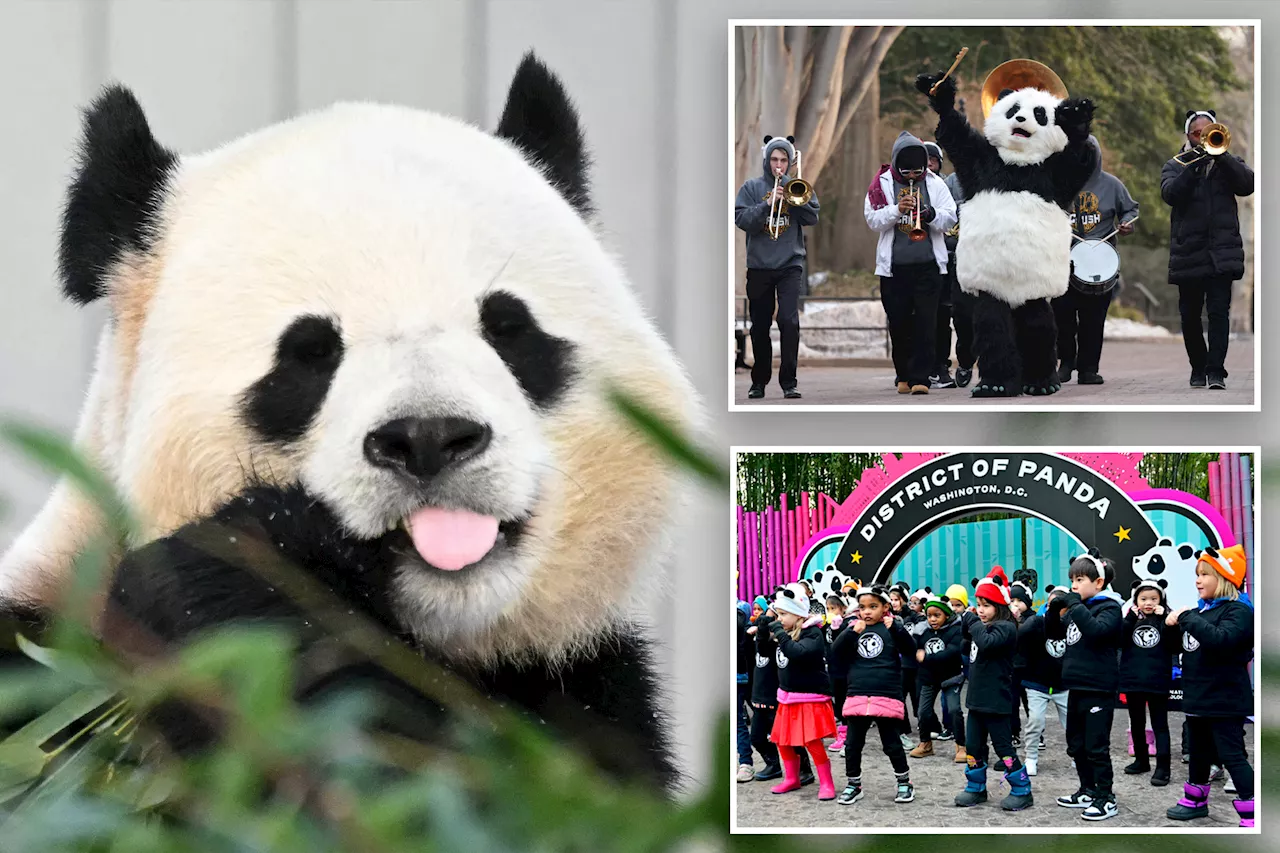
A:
775,264
1206,252
1102,206
910,270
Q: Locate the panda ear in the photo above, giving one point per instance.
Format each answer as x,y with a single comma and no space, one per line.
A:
1004,92
1212,113
540,119
791,139
767,139
1165,542
973,582
1185,551
116,194
1134,585
1162,583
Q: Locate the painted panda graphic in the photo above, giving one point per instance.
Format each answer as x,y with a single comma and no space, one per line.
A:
973,652
1019,177
1055,648
311,355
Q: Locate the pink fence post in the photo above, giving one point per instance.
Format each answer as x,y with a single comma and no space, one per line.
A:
1237,498
1215,489
784,529
769,543
1247,501
808,519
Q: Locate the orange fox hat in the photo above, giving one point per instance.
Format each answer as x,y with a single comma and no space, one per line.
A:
1229,562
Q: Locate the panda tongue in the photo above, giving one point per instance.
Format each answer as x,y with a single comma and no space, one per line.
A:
452,539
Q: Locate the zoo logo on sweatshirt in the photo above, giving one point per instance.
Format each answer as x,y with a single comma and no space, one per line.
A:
761,661
973,652
1073,634
870,645
1089,219
1189,643
1055,648
780,658
934,645
1146,636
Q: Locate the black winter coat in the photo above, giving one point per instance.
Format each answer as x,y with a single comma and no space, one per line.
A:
1204,223
872,660
1146,654
764,678
991,650
801,663
1092,631
943,650
1217,645
1043,655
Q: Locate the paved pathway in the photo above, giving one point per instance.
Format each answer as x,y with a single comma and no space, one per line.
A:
1136,373
937,780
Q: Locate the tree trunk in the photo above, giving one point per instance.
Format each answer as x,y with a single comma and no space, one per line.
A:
843,233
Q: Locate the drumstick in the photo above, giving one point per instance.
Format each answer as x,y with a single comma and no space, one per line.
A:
959,56
1122,224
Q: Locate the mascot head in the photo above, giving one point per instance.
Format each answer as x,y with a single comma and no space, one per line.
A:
1022,127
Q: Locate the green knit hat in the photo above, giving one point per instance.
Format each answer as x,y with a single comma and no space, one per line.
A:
939,602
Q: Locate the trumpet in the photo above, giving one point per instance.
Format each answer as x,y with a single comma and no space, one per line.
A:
917,232
1215,139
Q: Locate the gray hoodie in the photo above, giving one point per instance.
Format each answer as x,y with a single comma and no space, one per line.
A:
751,214
1102,204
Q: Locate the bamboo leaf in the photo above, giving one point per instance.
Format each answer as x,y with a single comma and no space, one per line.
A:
669,440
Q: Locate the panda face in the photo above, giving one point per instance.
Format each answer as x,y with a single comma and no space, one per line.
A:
1021,127
424,343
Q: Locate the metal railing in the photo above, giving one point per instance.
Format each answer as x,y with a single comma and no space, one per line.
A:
742,318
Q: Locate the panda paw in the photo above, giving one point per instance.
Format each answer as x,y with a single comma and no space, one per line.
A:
942,100
986,389
1074,115
1042,388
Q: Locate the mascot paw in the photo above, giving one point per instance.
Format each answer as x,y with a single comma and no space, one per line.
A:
942,100
985,389
1074,116
1042,388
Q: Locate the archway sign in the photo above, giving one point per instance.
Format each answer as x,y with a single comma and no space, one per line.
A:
1100,499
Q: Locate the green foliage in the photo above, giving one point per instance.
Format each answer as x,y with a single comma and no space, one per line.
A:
1187,472
764,477
1143,80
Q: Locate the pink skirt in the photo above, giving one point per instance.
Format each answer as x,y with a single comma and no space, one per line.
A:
801,723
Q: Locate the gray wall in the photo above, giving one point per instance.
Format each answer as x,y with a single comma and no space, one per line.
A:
650,77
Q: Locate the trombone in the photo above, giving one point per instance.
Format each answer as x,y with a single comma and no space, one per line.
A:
797,192
917,232
1215,139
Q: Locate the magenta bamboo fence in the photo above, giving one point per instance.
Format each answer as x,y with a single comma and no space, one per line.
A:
769,542
1231,494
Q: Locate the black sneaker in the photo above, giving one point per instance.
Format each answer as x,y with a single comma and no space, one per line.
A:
1198,379
906,793
942,380
770,771
1079,800
850,795
756,392
1217,382
1042,741
1064,372
1101,809
1017,741
1089,379
964,375
945,734
791,393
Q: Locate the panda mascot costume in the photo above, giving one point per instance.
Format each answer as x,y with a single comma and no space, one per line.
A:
326,392
1019,177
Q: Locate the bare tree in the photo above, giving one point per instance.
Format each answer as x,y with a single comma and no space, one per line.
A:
805,82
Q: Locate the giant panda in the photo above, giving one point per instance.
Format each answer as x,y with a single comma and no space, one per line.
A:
1019,177
380,344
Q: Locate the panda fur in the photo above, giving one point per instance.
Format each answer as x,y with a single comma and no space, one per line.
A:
1173,568
1019,177
276,302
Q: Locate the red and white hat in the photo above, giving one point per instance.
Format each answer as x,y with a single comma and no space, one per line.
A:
994,587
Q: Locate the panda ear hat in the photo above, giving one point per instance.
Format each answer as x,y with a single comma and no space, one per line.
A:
1192,114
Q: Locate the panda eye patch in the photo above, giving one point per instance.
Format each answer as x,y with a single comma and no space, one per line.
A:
281,405
540,362
1042,117
1012,111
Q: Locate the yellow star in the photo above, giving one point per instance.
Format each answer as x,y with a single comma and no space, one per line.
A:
1122,534
856,557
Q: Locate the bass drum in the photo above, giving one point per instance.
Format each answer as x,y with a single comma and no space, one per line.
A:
1095,266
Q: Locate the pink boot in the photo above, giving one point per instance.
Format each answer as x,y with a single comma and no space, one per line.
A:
826,785
1244,808
836,744
790,774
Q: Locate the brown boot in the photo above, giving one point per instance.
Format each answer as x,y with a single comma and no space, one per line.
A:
962,756
904,388
924,749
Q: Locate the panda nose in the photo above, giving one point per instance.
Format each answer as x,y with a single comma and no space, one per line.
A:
1020,118
423,447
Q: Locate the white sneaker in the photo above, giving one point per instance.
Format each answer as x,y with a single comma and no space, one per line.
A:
1100,809
842,752
1031,766
907,742
1230,787
746,773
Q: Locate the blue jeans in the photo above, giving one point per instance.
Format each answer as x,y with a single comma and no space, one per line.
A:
744,725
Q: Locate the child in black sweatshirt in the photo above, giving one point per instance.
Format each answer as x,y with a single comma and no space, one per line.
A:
836,623
1217,645
1042,677
1089,619
938,651
993,640
1146,676
870,651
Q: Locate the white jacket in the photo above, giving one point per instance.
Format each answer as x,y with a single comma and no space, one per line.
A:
885,220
